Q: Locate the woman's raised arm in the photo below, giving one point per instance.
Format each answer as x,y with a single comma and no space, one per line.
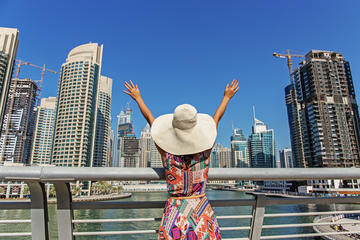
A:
228,94
134,92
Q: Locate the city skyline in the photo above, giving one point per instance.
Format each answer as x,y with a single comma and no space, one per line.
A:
80,52
70,136
156,46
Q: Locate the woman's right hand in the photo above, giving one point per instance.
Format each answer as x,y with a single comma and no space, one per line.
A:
232,89
133,91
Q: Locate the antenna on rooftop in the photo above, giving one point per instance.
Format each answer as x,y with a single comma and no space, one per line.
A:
254,112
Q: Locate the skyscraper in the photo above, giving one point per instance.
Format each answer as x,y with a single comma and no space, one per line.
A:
262,146
150,156
8,49
44,132
124,126
18,124
74,136
293,110
111,152
103,124
130,152
329,116
220,157
239,149
214,156
286,158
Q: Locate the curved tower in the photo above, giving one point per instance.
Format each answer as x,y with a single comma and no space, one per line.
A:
74,136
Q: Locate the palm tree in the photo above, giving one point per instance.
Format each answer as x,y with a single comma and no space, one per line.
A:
120,189
76,191
52,191
26,190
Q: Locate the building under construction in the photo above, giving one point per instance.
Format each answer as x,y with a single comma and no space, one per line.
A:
18,124
328,115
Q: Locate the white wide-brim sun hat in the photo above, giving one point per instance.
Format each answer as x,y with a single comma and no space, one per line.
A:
185,131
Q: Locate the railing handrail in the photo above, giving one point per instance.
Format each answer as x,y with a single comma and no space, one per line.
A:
37,177
138,174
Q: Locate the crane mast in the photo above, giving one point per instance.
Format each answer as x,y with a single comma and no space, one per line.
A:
288,56
295,105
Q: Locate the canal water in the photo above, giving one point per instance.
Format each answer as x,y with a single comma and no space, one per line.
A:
162,196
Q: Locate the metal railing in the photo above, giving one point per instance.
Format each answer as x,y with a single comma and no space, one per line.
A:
36,177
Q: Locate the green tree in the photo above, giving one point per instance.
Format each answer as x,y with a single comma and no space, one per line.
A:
76,191
119,189
101,187
26,190
52,191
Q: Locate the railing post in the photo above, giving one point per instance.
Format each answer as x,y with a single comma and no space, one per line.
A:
257,217
39,211
64,211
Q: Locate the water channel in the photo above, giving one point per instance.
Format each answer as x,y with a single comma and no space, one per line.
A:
162,196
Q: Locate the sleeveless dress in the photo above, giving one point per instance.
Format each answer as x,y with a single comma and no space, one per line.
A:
187,213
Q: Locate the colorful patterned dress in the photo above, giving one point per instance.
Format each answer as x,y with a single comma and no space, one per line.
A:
188,214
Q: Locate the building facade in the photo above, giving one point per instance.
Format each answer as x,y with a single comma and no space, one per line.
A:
124,126
74,136
262,146
130,152
239,149
18,125
329,116
44,132
220,157
286,160
150,156
145,145
111,152
103,124
293,110
8,49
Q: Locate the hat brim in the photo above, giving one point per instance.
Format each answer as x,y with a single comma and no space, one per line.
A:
184,142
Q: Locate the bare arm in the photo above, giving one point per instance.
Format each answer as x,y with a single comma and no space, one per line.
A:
228,94
134,92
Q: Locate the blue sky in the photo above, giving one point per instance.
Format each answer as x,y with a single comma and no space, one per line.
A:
186,51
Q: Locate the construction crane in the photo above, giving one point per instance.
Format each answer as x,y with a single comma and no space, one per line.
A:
12,98
288,56
21,63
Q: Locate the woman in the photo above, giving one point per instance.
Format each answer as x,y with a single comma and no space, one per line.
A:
184,140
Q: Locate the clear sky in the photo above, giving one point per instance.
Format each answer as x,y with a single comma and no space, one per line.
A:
186,51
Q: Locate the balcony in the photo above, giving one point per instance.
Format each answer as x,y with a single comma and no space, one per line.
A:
256,218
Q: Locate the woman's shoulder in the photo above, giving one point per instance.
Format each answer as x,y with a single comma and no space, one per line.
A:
203,154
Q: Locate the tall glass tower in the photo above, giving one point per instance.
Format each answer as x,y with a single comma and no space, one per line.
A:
293,110
286,158
103,123
262,146
124,126
44,132
220,157
239,149
74,136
